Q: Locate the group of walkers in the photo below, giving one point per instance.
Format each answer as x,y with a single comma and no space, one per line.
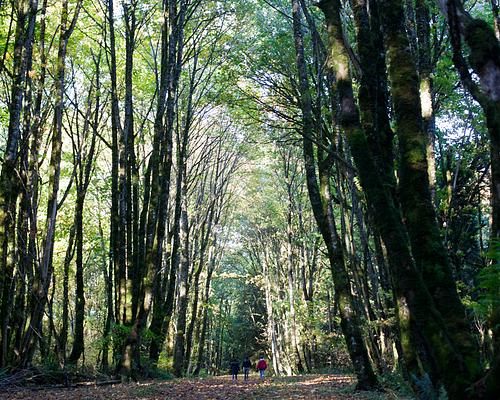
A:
246,365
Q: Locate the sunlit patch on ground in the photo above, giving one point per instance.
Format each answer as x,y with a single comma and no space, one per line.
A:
305,387
325,379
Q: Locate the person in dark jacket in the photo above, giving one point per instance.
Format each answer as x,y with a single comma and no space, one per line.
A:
246,367
235,368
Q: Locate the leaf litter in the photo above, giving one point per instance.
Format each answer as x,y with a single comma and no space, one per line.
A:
303,387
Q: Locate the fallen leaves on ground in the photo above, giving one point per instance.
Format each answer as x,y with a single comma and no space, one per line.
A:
304,387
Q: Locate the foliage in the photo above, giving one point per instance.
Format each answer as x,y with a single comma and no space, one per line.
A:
198,208
488,279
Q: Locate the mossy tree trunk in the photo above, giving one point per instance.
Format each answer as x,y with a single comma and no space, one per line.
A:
416,306
172,59
414,190
129,271
43,274
320,198
152,181
425,71
25,12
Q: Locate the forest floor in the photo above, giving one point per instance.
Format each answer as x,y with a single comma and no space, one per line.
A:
305,387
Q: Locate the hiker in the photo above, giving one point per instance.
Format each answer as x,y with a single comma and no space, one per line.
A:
235,368
246,367
261,367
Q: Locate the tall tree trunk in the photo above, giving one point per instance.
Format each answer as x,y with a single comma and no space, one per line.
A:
204,324
415,304
128,161
290,176
35,130
130,273
153,187
420,219
26,12
85,160
108,279
114,237
44,272
172,58
271,322
63,336
323,213
194,309
496,18
425,69
182,298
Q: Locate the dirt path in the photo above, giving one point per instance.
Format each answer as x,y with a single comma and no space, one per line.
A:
307,387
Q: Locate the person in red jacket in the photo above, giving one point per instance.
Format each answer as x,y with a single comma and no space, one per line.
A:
261,367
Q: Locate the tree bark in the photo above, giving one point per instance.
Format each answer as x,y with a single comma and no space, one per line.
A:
172,60
415,304
44,273
182,298
420,219
323,213
85,161
9,180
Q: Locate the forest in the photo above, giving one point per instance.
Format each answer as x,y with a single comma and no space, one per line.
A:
188,182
